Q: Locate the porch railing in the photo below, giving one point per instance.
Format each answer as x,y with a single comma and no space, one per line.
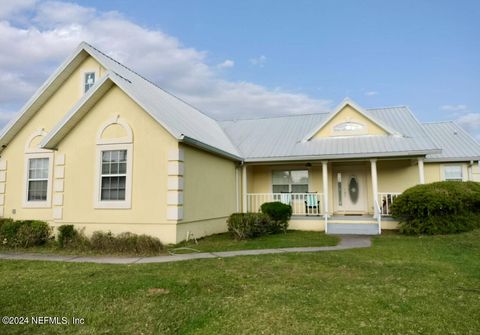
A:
385,201
302,203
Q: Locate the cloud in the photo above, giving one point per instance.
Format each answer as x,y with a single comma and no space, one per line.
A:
453,108
371,93
259,61
9,8
50,31
471,123
226,64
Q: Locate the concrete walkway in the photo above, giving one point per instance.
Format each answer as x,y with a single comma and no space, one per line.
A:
346,242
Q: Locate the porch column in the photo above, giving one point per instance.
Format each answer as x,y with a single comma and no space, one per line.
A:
421,172
373,168
325,186
470,171
244,188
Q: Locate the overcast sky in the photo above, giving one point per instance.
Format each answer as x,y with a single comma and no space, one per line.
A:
242,59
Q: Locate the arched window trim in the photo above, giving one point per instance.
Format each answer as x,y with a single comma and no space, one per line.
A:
114,144
115,120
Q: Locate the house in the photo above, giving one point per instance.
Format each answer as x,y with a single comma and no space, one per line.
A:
103,148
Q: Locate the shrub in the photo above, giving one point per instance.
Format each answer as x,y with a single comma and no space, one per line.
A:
32,232
25,233
279,214
438,208
125,243
69,237
248,225
8,232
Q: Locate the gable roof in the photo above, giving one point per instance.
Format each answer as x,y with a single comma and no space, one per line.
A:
456,143
281,138
338,109
184,122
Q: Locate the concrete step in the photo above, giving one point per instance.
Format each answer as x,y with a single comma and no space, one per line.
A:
352,228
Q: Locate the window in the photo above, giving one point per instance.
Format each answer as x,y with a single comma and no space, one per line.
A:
453,172
89,80
348,126
295,181
37,182
113,175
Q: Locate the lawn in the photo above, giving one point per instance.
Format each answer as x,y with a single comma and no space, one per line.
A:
218,242
402,285
292,238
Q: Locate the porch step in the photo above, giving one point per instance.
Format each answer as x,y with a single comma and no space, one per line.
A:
352,228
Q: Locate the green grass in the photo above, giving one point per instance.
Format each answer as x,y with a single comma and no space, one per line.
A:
292,238
219,242
402,285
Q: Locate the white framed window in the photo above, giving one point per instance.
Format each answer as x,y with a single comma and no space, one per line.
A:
88,81
348,126
114,176
294,181
38,180
453,172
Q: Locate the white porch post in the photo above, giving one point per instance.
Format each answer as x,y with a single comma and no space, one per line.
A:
325,186
470,171
244,188
373,168
421,172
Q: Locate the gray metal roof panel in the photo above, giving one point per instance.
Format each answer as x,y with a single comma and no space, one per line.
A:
180,118
281,137
455,142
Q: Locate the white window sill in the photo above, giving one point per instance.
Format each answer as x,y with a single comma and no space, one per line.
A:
37,204
113,205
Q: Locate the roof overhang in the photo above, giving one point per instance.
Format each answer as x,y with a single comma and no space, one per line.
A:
42,95
197,144
338,157
78,111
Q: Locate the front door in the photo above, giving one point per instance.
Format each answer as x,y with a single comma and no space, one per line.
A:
350,191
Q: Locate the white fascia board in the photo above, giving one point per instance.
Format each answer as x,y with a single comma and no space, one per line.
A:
42,93
399,154
52,139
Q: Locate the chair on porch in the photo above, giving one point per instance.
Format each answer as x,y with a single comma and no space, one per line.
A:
312,204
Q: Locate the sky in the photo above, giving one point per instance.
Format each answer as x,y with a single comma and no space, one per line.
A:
259,58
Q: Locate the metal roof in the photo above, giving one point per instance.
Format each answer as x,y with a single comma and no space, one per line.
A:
268,139
184,122
177,116
280,138
456,143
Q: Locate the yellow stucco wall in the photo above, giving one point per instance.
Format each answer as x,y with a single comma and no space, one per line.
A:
151,144
209,192
348,113
47,117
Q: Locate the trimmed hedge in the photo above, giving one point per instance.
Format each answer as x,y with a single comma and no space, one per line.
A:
279,214
438,208
24,234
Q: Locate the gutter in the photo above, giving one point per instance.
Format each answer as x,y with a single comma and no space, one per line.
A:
402,154
209,148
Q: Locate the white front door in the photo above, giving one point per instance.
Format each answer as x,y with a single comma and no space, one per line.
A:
350,191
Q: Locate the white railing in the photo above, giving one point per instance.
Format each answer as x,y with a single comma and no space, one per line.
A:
302,203
385,201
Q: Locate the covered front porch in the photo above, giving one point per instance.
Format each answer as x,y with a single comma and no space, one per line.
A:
352,196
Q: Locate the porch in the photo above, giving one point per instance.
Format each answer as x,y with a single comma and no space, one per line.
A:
340,197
